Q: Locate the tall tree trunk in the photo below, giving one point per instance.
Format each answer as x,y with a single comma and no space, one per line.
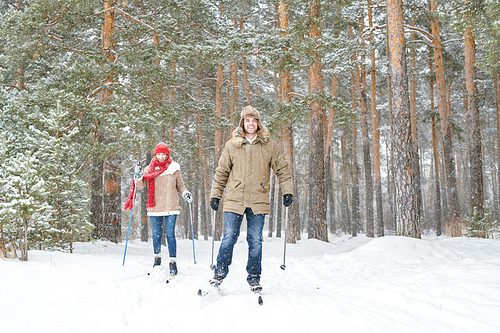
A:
205,193
356,214
244,64
293,211
437,185
112,179
96,185
475,146
245,79
317,225
205,207
196,207
346,216
390,179
375,132
407,217
234,95
413,117
112,199
365,139
218,143
449,161
287,132
329,159
24,246
172,105
497,98
366,155
279,211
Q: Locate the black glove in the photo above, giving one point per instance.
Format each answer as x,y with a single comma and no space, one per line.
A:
287,200
214,203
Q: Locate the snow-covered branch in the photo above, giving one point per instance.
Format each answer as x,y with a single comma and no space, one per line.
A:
293,94
426,35
452,40
370,30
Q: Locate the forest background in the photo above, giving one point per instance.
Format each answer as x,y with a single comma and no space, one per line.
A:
387,111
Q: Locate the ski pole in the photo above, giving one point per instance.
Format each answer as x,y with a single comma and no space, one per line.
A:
136,176
284,241
192,231
212,266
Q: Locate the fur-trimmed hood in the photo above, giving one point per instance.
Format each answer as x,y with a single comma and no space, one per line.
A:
238,135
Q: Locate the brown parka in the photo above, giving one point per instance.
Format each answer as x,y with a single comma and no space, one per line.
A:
244,170
167,185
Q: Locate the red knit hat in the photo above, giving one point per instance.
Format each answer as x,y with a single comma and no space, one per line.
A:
162,148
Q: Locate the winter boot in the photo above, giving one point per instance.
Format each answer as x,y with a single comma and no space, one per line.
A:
157,261
255,286
216,281
173,267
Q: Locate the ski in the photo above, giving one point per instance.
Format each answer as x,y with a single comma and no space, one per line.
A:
171,277
259,299
160,273
205,292
256,288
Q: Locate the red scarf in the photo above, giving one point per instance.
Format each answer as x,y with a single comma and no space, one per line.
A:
154,170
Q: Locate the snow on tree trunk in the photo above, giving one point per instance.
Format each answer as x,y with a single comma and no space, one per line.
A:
437,184
218,143
317,227
413,116
449,161
287,133
407,218
375,133
474,125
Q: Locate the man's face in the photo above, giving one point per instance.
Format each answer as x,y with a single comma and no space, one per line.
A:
250,125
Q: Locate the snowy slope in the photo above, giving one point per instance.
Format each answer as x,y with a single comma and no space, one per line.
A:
389,284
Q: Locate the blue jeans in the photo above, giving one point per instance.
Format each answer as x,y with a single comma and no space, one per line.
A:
255,225
157,227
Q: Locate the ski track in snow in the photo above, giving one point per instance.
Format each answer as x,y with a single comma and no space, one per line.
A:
388,284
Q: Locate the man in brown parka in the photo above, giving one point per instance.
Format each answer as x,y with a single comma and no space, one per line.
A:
244,171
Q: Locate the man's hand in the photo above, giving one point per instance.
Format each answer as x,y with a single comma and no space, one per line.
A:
287,199
214,203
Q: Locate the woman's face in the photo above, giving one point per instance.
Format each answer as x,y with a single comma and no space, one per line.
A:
161,157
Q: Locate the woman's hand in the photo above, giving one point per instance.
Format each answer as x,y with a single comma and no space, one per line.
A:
187,196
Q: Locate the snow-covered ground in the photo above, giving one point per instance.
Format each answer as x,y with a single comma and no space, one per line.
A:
389,284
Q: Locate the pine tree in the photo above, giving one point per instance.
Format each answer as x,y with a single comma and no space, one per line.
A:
407,217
